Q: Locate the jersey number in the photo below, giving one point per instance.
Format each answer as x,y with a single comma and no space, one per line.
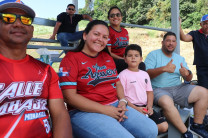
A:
47,125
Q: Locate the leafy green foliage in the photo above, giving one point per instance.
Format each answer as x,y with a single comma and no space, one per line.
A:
156,13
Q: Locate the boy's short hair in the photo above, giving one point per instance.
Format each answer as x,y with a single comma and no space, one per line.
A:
133,47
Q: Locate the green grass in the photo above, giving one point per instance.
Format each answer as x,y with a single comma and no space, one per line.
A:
152,33
42,30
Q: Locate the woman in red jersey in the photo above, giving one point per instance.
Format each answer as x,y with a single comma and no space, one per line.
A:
94,94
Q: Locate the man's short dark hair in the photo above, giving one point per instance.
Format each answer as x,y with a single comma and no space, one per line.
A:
133,47
71,5
169,33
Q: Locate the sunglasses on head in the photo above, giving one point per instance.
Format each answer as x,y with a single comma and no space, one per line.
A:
71,9
10,18
113,15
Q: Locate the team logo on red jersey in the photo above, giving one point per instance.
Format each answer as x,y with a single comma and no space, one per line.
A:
121,42
63,71
100,75
18,90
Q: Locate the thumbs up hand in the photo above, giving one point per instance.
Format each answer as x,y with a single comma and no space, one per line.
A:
170,67
183,71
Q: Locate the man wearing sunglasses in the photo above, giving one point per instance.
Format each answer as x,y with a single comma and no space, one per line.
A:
65,27
29,89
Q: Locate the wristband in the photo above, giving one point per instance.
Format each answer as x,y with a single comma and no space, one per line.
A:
123,100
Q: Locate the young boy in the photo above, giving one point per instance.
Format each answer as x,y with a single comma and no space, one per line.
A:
137,87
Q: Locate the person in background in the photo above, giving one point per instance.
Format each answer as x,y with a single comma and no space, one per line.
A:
94,94
66,23
118,39
137,87
165,69
29,89
199,39
200,45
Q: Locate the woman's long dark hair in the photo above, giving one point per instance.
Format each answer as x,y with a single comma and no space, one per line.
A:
89,27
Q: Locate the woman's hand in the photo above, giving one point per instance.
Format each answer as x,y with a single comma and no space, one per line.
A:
122,105
112,111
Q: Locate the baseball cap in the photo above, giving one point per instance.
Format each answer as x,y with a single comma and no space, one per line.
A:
204,18
17,4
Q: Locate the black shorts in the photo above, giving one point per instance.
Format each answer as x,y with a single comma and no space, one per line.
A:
156,117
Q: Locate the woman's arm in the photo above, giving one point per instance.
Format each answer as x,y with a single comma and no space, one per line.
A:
84,104
122,104
114,55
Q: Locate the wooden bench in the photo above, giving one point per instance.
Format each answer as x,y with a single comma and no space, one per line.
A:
50,23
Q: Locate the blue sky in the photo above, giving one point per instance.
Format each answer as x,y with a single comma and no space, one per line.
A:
50,8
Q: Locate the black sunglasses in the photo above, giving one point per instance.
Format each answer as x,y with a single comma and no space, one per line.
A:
113,15
71,9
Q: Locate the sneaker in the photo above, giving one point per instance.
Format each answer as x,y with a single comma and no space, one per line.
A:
191,120
206,127
205,122
199,130
188,134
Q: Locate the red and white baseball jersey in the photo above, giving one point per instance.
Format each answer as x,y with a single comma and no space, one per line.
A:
25,87
94,77
118,41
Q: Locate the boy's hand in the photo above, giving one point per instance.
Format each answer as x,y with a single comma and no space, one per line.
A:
150,110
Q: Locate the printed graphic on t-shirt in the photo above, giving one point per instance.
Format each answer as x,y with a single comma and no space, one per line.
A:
100,75
121,42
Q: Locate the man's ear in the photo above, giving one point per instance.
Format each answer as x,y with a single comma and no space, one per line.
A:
201,24
32,27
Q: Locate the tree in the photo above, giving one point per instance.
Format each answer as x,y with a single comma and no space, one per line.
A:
153,12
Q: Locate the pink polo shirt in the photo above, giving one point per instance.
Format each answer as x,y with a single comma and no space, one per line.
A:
135,85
